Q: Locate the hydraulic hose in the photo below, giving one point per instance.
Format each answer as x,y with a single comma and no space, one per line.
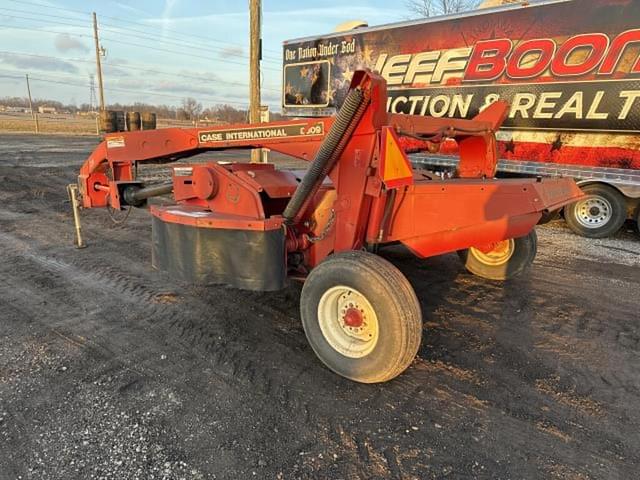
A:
330,150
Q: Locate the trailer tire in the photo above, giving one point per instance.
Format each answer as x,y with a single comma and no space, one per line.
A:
601,214
361,317
510,258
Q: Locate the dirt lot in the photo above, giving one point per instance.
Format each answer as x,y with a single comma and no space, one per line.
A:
111,370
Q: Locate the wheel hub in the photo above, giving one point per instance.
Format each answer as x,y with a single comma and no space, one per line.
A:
497,253
593,212
348,321
353,318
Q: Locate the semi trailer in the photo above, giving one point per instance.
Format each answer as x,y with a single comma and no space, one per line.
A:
569,69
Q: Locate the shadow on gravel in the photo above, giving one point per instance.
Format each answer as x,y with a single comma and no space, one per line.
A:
110,369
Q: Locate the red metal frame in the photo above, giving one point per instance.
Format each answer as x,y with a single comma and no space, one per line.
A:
358,208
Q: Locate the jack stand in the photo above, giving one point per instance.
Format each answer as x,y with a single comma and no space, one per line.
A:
72,191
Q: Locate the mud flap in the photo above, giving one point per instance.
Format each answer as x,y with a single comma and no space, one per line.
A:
245,259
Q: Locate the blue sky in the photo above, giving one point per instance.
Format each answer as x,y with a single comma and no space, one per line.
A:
160,51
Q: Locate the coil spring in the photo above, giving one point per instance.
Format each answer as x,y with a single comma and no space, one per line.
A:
331,148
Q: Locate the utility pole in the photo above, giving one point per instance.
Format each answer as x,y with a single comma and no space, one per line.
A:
255,55
98,64
92,93
34,115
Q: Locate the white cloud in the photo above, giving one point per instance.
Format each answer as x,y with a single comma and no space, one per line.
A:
29,63
115,71
232,51
65,42
181,88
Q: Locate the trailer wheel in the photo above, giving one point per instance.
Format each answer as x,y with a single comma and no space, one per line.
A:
506,260
600,214
361,316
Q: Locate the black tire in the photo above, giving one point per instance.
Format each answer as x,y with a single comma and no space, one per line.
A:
548,217
392,299
521,254
600,215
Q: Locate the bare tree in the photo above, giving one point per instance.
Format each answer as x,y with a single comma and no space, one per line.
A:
191,108
431,8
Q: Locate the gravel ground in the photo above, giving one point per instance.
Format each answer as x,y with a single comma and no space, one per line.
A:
111,370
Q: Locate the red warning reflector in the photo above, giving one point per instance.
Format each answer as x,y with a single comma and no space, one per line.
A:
395,169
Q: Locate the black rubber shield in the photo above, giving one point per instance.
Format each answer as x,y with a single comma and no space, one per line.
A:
246,259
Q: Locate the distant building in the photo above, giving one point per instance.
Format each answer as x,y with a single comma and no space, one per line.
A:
16,110
47,110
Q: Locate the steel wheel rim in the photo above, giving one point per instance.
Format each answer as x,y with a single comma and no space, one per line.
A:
500,255
342,302
593,212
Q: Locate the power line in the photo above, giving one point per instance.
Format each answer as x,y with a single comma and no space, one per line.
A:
57,8
62,81
180,53
57,22
143,35
276,53
119,89
130,67
182,43
149,47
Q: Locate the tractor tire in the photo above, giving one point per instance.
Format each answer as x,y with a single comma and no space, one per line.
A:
361,316
508,260
601,214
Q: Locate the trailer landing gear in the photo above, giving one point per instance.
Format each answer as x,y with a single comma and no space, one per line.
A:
501,260
361,317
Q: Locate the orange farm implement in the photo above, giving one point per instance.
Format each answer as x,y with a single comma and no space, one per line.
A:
253,226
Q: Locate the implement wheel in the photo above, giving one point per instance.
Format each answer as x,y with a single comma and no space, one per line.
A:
507,259
361,317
